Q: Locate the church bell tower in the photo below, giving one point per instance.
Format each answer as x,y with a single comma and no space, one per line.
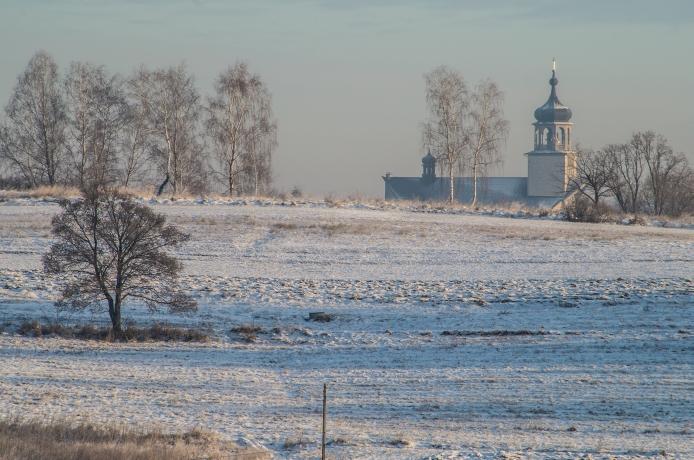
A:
552,161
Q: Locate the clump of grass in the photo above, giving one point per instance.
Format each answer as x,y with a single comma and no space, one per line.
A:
156,333
329,228
20,440
494,333
283,226
247,331
295,442
320,317
401,441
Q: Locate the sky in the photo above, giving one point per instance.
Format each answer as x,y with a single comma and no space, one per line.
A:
347,76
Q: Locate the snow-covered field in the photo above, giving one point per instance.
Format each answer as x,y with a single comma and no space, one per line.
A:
454,336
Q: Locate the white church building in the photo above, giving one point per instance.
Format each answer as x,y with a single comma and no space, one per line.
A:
550,165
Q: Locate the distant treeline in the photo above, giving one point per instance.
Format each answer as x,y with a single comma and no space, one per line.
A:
87,127
642,175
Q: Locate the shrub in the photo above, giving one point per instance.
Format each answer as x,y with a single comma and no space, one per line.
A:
583,210
155,333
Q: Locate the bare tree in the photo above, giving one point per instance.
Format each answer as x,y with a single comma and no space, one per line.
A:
243,131
487,130
171,104
662,165
97,115
444,132
626,175
31,141
679,191
135,144
592,175
113,249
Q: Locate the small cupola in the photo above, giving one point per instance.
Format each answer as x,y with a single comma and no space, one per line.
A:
428,167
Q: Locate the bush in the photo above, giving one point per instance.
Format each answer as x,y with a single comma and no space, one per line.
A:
155,333
582,209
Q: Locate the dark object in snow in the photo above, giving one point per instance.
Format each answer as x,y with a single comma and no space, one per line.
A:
320,316
497,333
246,329
567,304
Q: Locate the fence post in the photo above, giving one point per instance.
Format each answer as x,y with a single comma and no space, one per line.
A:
325,414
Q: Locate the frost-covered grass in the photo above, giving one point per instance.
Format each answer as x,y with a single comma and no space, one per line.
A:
451,335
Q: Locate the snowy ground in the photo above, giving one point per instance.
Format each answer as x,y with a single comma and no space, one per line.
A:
455,336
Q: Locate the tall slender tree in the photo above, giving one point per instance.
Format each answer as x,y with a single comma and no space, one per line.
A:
242,129
487,131
170,103
31,140
444,132
97,115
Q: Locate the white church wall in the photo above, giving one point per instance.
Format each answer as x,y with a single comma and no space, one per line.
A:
546,174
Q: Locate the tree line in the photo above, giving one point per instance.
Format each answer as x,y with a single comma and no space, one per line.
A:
91,128
642,175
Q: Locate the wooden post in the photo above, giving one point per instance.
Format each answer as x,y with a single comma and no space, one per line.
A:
325,414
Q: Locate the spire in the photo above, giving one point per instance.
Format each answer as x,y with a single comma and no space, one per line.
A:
553,109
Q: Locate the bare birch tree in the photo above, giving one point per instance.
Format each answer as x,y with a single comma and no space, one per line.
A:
134,147
444,132
487,130
97,115
170,103
31,140
243,131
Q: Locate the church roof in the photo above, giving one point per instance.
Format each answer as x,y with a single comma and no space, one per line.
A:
553,110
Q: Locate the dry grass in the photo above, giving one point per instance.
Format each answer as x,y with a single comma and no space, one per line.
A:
329,228
34,440
55,191
155,333
247,331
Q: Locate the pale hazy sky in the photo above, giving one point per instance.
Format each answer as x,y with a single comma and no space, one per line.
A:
346,76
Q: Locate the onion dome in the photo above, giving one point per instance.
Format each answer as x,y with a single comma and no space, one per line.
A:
553,110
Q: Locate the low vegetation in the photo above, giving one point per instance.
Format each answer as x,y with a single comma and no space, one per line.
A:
155,333
33,440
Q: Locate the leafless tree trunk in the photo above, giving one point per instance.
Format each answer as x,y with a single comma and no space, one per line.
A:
443,132
592,174
487,130
32,139
679,191
135,141
662,165
97,114
243,131
626,174
170,103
